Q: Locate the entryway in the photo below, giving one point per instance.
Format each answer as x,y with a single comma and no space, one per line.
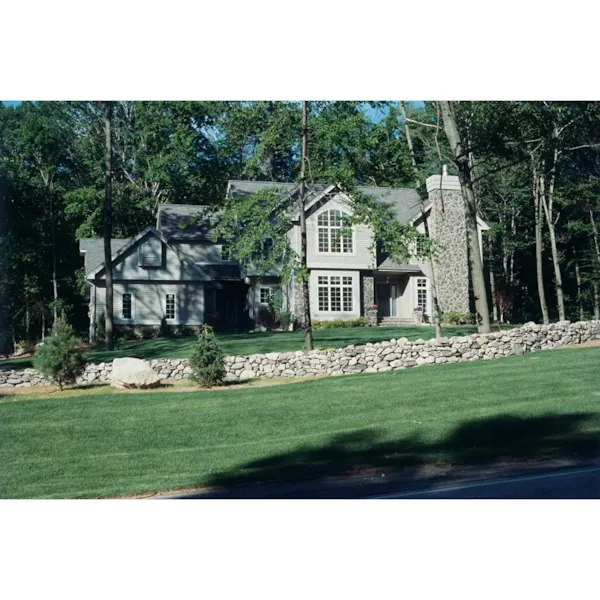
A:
387,299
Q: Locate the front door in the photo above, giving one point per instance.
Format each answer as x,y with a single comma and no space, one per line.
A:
386,299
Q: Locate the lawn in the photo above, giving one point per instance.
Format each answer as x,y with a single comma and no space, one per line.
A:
543,405
258,343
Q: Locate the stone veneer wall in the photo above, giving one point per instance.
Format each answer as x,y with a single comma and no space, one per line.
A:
368,292
370,358
448,230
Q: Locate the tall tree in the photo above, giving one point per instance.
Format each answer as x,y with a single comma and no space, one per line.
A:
306,320
107,108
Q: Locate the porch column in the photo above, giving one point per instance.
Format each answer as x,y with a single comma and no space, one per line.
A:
368,299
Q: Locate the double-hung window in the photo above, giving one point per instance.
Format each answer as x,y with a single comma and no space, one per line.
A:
329,233
334,293
422,293
265,295
170,306
126,306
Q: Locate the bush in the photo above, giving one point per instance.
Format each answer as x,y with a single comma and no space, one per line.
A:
145,332
57,358
164,331
25,347
285,318
456,318
338,323
207,361
360,322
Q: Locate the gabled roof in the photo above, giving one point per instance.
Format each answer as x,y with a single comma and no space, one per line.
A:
93,250
405,203
177,221
203,275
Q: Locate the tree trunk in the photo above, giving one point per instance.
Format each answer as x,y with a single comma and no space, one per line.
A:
579,300
538,246
308,335
53,232
596,301
437,314
43,326
108,314
461,160
547,204
493,287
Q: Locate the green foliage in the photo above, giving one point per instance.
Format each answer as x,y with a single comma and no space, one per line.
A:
340,323
285,318
207,361
276,303
145,332
456,318
57,357
164,331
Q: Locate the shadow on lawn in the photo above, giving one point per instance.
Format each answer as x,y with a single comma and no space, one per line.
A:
481,442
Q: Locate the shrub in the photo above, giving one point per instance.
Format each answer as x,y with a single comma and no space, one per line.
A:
360,322
285,318
207,361
25,347
57,358
317,324
164,331
456,318
145,332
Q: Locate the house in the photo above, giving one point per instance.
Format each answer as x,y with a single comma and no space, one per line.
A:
178,272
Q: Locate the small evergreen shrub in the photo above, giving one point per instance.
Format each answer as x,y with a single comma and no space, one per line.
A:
360,322
164,331
207,361
456,318
57,358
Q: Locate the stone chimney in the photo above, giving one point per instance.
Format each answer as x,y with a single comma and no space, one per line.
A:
447,226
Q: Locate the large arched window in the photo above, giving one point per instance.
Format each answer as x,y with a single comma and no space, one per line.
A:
329,226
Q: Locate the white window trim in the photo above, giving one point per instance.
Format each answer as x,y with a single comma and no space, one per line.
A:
316,229
174,318
428,294
316,273
267,286
121,317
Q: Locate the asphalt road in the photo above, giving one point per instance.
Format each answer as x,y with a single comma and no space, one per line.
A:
574,483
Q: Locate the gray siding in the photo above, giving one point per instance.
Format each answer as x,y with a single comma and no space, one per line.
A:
361,257
172,269
149,302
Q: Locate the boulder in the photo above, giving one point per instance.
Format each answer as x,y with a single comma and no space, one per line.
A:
133,373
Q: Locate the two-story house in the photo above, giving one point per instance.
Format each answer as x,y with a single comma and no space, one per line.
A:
177,271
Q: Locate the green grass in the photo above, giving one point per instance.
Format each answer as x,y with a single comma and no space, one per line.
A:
533,406
258,343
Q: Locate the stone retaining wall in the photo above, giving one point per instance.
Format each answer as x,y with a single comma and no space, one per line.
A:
371,358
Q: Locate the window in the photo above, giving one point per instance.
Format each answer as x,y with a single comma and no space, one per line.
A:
126,306
421,246
267,248
422,293
265,295
334,293
330,239
150,253
170,311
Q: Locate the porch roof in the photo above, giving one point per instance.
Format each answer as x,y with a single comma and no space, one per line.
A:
389,266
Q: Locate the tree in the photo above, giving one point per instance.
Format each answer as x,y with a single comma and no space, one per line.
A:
207,361
107,108
57,357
